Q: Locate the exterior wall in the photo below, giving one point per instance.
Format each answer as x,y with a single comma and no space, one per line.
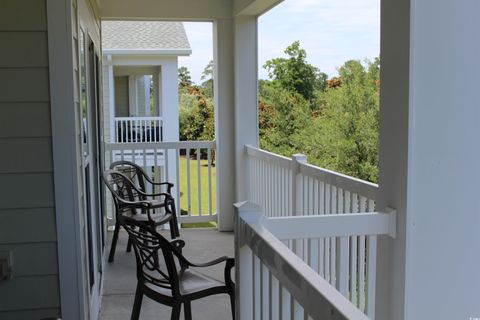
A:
27,213
121,97
443,206
141,111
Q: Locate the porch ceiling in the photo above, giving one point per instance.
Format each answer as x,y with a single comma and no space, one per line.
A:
182,10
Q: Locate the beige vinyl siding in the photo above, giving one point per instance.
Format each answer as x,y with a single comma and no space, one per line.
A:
141,107
27,213
121,96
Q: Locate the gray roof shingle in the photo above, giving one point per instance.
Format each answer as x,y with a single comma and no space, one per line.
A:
144,35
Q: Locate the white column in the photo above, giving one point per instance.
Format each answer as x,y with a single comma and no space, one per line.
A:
169,102
429,160
395,48
246,118
111,99
223,45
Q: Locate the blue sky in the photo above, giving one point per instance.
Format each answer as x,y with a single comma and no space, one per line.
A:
331,32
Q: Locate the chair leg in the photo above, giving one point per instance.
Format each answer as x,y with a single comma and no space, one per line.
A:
129,243
137,304
174,232
176,311
114,242
187,307
232,303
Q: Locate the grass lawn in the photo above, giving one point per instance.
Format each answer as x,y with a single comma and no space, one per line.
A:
194,188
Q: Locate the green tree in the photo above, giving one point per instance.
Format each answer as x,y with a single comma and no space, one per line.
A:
184,78
207,80
283,119
196,115
295,74
344,136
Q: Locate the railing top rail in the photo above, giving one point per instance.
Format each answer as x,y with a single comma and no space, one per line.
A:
354,185
137,118
269,156
349,183
318,298
161,145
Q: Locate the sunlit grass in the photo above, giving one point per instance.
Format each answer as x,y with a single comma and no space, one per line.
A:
204,184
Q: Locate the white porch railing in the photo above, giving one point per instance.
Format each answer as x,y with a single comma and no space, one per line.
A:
138,129
274,283
285,187
193,176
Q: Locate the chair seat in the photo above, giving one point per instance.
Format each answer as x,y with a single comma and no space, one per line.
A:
157,218
190,282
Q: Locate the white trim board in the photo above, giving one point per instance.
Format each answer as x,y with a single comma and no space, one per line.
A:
64,157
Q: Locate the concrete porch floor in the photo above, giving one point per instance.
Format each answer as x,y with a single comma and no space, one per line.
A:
120,278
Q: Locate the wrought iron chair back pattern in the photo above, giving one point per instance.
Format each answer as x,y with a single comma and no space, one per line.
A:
164,281
130,201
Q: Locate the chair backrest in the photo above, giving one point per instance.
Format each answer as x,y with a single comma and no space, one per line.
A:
150,247
131,170
122,188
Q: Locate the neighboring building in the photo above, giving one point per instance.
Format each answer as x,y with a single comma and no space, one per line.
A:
140,62
140,88
52,223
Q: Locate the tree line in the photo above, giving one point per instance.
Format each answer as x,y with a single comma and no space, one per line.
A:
334,121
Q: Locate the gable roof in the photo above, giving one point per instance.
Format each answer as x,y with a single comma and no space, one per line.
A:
145,37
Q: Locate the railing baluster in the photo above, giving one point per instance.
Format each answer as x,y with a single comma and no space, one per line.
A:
274,298
371,268
257,292
327,240
209,164
333,247
265,278
199,183
361,262
178,186
353,257
189,208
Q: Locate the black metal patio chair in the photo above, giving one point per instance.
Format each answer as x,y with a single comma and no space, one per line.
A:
171,280
131,202
141,180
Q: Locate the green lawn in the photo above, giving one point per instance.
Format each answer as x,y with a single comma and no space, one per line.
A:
194,186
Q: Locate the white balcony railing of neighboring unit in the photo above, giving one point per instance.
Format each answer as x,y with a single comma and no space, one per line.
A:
193,176
342,254
138,129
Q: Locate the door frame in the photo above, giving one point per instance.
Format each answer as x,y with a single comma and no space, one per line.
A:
65,158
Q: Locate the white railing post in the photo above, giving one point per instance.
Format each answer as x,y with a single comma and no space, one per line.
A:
297,195
244,294
297,205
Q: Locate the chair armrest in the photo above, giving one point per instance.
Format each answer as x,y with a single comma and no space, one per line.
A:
188,263
136,204
149,180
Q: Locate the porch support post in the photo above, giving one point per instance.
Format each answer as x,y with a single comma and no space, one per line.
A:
394,125
111,99
223,52
246,118
429,158
170,114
